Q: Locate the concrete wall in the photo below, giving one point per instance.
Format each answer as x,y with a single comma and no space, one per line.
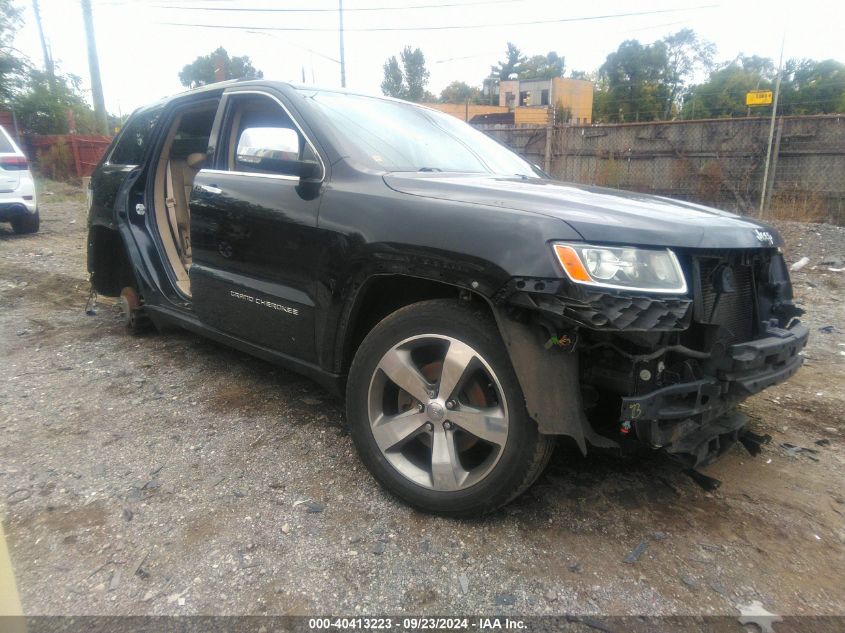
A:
717,162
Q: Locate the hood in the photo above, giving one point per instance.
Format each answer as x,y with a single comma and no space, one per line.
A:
598,214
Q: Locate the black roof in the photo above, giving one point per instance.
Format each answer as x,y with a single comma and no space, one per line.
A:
505,118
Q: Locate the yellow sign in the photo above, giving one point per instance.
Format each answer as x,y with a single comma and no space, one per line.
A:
758,98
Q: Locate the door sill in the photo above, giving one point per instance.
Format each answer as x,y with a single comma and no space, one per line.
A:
332,382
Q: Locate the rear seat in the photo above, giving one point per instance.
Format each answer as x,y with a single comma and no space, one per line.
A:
179,181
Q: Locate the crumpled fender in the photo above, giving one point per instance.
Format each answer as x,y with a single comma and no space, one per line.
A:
550,383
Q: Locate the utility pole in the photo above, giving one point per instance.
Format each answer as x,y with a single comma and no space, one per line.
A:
765,186
48,60
94,68
342,55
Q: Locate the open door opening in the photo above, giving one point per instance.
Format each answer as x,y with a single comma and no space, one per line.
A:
182,156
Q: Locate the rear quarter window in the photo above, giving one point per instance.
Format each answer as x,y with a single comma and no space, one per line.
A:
134,139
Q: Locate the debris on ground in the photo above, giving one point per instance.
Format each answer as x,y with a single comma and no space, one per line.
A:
710,484
754,613
505,599
634,555
795,451
464,582
799,264
137,568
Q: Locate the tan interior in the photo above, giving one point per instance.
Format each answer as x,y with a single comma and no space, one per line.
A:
233,139
174,180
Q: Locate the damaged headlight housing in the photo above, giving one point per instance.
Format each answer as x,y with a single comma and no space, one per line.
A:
625,267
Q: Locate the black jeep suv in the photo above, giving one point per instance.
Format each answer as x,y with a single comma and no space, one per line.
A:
470,307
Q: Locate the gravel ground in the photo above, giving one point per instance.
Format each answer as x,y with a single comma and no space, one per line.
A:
169,475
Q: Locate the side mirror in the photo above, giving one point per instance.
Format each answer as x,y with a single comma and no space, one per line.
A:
275,150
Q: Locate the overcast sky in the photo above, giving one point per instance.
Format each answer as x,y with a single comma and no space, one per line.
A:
141,55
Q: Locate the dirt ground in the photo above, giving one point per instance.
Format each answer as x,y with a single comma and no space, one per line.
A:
169,475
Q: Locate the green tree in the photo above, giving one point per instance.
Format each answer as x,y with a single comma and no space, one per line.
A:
409,80
41,106
416,74
723,94
42,110
812,87
633,79
543,67
460,92
12,63
201,71
514,59
392,85
686,54
808,86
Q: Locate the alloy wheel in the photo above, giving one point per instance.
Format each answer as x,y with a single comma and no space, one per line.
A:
438,412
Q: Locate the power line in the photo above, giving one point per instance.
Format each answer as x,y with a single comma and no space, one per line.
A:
448,27
655,26
300,46
331,10
475,56
342,53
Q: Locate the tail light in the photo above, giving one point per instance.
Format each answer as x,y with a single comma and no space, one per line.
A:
13,163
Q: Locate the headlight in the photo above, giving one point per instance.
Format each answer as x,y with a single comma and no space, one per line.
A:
626,268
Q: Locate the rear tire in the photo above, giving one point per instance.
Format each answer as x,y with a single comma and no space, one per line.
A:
28,223
458,441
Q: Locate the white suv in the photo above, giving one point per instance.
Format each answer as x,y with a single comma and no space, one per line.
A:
18,203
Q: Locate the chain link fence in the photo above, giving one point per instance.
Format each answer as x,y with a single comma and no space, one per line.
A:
718,162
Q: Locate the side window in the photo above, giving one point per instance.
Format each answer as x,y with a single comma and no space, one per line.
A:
263,139
194,130
134,139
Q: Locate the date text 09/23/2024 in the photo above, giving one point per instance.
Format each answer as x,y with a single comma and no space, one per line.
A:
418,624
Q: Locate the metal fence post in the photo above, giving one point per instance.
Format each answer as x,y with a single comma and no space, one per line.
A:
547,163
771,131
74,148
773,169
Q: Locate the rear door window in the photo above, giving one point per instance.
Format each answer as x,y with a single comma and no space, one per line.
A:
134,139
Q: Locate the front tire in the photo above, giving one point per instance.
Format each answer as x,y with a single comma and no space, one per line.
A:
437,414
28,223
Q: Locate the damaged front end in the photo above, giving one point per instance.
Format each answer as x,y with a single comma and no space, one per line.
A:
659,370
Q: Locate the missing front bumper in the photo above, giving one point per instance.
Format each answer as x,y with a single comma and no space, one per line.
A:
690,418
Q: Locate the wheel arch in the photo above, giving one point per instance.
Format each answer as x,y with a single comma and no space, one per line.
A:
549,378
109,266
383,294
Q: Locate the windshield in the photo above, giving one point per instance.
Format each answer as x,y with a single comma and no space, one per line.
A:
397,136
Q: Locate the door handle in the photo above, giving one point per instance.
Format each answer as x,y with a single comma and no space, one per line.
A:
211,189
